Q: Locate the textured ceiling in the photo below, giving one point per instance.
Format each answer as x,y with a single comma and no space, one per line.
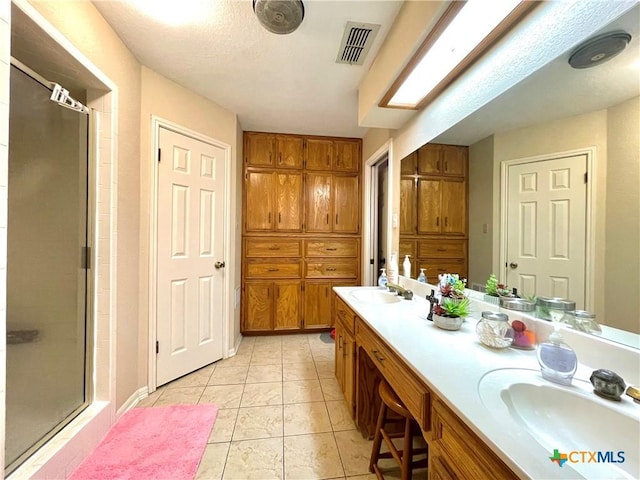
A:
281,83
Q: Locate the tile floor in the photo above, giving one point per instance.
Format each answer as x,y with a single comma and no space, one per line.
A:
282,414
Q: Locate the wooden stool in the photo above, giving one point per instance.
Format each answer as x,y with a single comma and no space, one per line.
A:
404,457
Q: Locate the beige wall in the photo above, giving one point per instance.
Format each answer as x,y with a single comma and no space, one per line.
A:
172,102
481,210
373,140
83,26
622,254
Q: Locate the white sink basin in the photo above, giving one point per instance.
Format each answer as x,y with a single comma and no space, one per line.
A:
375,295
568,419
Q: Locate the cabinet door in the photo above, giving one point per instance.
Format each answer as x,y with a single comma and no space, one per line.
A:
454,207
318,202
290,151
288,202
259,202
346,201
438,469
259,149
454,160
317,305
409,164
347,156
348,375
429,220
429,159
287,305
319,154
258,306
408,201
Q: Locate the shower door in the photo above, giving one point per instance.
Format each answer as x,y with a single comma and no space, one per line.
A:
46,267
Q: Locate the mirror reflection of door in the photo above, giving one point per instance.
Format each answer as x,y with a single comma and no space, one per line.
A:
546,226
382,206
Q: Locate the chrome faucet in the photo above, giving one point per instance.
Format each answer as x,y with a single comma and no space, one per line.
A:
634,392
401,291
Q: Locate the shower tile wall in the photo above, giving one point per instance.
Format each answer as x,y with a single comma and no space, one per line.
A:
5,37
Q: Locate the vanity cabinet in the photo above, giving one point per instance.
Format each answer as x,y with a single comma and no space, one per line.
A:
301,229
345,360
433,207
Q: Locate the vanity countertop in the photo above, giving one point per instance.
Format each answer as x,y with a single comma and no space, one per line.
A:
452,365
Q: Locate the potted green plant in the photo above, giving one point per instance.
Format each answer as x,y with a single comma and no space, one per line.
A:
493,290
450,313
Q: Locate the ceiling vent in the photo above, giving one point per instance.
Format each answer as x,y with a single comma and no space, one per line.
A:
356,42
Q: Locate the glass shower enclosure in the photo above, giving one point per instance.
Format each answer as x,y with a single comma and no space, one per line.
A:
47,271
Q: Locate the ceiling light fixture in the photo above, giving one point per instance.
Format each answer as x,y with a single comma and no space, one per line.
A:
464,32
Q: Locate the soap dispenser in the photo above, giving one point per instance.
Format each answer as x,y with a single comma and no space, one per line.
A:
406,267
422,278
382,279
558,361
393,268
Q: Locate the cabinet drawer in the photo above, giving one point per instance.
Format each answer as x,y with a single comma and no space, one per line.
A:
461,449
442,248
411,391
273,269
345,315
272,247
345,247
332,269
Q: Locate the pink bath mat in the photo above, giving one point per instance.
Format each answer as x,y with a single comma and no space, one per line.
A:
151,444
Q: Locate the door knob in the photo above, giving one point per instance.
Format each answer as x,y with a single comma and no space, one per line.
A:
219,265
513,265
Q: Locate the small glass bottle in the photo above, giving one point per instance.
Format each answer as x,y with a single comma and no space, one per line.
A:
558,361
422,278
494,331
382,279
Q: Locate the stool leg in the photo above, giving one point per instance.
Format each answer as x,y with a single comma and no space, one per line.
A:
407,451
377,438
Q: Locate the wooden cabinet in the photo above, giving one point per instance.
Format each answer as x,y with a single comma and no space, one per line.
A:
301,209
269,150
332,203
436,159
273,202
272,305
337,155
433,207
345,363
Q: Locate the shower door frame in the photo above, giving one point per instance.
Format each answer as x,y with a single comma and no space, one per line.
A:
89,317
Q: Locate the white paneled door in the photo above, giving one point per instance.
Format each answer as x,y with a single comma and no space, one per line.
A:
546,228
190,261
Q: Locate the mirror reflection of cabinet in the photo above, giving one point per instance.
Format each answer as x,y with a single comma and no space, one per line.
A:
433,210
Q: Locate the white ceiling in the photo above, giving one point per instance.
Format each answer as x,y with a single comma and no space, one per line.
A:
279,83
558,91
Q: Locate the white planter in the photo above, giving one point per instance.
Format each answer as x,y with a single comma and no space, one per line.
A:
447,323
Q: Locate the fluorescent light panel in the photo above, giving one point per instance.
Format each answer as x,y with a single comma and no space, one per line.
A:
473,23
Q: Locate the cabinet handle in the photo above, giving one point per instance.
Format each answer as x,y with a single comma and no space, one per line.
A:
331,249
279,217
277,292
326,291
437,221
274,247
269,217
340,342
336,218
441,249
280,157
328,161
446,166
446,221
273,270
327,218
438,165
338,160
331,269
379,357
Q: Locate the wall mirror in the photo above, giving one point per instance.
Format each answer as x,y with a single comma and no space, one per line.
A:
591,114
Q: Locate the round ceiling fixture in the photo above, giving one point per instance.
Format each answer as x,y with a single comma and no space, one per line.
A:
599,49
279,16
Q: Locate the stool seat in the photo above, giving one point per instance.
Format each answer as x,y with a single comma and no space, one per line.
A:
404,457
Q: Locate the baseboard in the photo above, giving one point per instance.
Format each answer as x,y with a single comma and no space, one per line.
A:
132,401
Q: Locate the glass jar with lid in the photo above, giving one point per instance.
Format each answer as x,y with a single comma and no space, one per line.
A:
586,322
554,309
494,330
523,326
